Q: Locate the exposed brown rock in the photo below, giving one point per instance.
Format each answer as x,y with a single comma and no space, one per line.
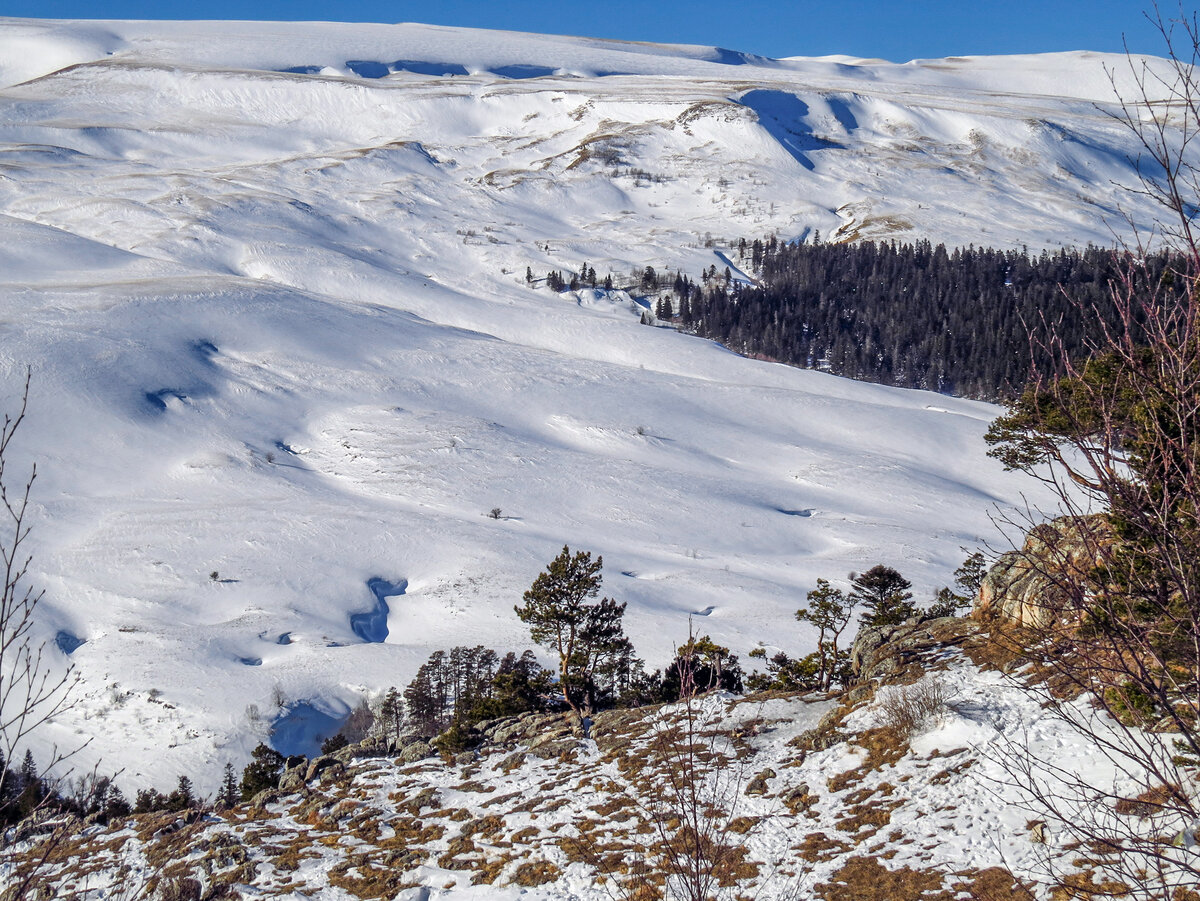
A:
1032,587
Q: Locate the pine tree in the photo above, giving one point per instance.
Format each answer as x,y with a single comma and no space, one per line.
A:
885,595
701,666
520,685
968,577
830,610
562,617
262,772
391,716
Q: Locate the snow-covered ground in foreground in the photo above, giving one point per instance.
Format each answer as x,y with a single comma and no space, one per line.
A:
540,814
271,282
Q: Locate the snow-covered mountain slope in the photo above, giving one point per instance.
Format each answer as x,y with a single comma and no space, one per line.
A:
271,282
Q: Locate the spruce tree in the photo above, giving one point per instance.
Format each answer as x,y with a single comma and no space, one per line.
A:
228,793
183,797
115,805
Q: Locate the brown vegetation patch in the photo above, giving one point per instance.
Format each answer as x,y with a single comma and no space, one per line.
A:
865,879
426,797
502,799
994,884
287,858
1087,887
884,747
743,825
411,831
950,772
362,879
489,869
862,821
536,872
472,785
1003,646
488,826
817,846
1151,801
614,805
459,847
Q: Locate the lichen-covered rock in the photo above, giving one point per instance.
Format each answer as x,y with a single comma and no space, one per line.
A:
614,729
1030,587
758,785
798,798
293,779
263,798
417,750
887,651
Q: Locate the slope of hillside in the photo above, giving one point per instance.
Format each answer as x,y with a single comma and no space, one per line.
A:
271,282
811,797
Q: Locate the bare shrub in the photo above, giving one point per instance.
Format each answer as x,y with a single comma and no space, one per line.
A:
1116,437
686,833
910,709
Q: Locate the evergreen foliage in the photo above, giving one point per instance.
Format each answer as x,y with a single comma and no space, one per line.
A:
262,772
884,595
183,797
968,578
115,805
595,657
830,610
334,743
701,666
785,673
449,684
390,719
467,685
911,315
228,794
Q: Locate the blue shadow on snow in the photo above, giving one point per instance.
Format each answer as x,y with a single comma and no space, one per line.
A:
68,643
784,116
301,728
372,626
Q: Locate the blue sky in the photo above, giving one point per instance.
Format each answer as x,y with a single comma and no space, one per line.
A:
893,30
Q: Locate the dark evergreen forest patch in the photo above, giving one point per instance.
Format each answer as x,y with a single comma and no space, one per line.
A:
966,322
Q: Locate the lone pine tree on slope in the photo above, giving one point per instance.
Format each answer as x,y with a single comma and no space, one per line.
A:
884,594
563,617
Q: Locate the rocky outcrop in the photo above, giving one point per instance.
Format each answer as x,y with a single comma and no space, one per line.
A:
1033,586
888,651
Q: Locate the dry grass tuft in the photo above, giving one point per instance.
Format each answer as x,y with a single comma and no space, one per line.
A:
909,709
1151,801
865,879
536,872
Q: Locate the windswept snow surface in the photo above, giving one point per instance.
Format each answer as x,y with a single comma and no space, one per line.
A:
271,282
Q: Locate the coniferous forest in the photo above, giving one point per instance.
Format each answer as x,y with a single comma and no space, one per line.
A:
965,322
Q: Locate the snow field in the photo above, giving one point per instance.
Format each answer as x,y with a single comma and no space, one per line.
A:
279,330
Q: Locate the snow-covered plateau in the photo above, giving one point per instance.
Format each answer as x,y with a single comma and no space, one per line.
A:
270,279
